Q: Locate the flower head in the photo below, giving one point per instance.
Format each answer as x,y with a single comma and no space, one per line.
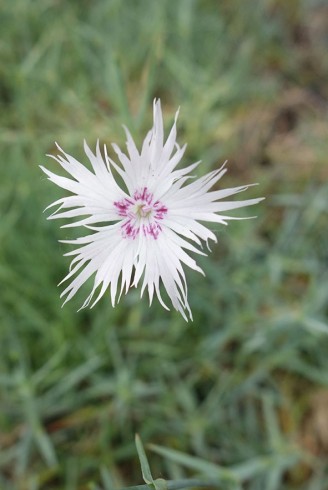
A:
143,229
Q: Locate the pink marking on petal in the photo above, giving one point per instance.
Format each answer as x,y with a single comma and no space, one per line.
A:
123,206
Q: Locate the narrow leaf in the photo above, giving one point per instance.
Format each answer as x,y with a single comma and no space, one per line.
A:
145,469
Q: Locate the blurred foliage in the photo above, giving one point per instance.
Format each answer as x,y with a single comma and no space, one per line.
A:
243,388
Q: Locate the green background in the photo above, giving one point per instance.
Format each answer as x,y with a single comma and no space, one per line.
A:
243,387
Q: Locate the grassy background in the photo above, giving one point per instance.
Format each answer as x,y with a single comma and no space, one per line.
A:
245,386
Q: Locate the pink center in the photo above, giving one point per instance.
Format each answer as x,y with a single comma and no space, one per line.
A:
140,214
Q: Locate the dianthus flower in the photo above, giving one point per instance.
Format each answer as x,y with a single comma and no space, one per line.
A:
143,229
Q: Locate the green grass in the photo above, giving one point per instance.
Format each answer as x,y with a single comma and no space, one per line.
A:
234,396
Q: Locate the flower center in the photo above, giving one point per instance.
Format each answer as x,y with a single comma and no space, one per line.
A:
143,210
141,214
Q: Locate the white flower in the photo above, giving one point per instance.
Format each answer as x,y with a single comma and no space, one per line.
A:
149,226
